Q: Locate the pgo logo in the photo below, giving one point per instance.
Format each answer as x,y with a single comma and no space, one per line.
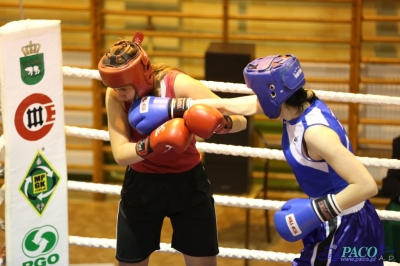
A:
35,117
40,241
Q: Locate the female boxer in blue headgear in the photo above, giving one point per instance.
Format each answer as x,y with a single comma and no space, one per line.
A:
338,224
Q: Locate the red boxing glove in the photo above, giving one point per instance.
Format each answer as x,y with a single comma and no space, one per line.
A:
204,120
173,134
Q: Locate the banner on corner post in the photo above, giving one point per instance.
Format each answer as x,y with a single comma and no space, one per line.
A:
32,107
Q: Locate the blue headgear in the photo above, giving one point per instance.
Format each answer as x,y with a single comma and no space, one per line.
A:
274,79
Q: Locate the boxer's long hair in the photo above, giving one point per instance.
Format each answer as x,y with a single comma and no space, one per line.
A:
300,97
160,70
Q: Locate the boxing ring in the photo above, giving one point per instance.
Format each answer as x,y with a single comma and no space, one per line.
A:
240,202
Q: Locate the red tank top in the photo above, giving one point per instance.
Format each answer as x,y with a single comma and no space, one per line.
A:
171,161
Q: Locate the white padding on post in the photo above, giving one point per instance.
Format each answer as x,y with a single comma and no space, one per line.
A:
32,106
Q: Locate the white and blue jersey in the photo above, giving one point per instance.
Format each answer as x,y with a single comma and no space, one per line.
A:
343,240
316,178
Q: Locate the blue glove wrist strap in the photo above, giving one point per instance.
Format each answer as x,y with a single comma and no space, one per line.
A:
178,106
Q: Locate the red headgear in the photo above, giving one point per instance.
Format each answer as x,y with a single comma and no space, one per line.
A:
136,69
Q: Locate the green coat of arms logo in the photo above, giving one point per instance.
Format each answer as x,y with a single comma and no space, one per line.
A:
32,64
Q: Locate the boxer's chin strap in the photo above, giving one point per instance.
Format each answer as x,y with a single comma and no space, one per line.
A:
326,207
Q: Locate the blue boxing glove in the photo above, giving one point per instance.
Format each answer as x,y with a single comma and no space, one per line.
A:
149,112
298,217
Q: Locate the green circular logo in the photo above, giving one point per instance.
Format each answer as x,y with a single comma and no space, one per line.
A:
40,241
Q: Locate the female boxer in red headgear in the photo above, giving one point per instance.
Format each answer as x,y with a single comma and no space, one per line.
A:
152,121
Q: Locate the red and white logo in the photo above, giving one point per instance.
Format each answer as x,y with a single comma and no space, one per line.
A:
35,117
144,105
292,224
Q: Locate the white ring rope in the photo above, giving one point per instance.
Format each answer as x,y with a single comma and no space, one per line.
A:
243,151
81,72
242,88
232,201
264,153
278,154
234,253
87,133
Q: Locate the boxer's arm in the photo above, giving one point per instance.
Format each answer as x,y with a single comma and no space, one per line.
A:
362,185
244,105
119,130
188,87
239,123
